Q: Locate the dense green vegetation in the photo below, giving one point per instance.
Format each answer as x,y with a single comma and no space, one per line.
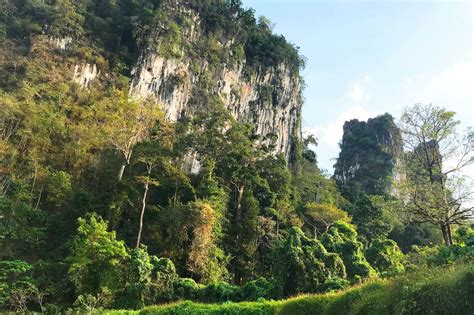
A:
99,211
446,291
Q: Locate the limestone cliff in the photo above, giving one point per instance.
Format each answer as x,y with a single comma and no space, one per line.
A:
180,53
268,97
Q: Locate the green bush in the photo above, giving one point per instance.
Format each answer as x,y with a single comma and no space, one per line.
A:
138,272
341,238
164,275
197,308
257,289
439,255
450,254
465,235
385,257
302,265
185,288
219,292
97,258
188,289
15,282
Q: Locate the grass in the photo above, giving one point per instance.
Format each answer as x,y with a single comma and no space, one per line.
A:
448,290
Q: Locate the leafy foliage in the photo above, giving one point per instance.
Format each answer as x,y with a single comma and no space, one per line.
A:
96,257
342,238
304,265
385,257
446,290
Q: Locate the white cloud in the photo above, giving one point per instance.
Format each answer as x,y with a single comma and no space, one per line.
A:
331,133
353,102
452,87
353,99
359,90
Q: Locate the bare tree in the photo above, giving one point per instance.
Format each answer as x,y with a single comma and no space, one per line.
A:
434,189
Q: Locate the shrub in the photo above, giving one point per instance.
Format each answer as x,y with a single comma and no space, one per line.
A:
465,235
16,286
164,276
303,265
450,254
219,292
341,238
138,271
257,289
185,288
385,257
439,255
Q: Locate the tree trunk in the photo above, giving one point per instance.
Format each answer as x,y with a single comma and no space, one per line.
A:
128,156
277,227
450,235
239,201
122,169
446,234
39,198
142,214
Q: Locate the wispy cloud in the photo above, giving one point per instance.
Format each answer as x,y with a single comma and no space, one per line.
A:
352,103
452,87
359,89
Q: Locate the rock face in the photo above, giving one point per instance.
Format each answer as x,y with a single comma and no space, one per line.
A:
176,68
85,73
369,154
269,98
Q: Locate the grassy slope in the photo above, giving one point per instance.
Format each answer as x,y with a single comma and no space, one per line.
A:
432,291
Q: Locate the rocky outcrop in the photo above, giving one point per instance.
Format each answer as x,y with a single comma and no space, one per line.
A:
60,42
173,68
269,98
85,73
369,155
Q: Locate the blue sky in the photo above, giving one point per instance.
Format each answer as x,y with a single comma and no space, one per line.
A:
366,58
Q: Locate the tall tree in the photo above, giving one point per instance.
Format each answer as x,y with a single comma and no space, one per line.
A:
432,190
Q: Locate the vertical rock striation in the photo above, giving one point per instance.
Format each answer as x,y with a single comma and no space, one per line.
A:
268,97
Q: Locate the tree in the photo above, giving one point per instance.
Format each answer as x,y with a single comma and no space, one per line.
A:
432,190
385,257
320,217
341,238
150,163
205,260
17,288
138,278
130,123
301,264
97,255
